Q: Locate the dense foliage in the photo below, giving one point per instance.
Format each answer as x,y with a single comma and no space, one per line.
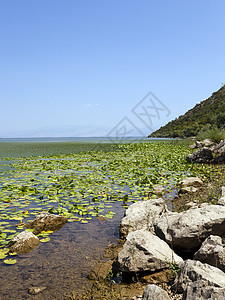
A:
207,114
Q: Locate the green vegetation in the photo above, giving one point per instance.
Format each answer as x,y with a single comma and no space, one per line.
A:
87,185
207,115
214,134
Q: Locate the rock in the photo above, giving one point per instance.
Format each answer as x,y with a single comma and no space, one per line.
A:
220,148
36,290
212,252
162,276
154,292
188,189
47,221
144,251
100,271
192,204
141,215
203,155
222,191
158,189
191,181
197,291
195,271
219,158
221,201
24,242
204,143
186,230
193,146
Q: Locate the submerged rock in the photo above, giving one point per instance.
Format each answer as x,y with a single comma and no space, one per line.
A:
141,215
144,251
24,242
47,221
36,290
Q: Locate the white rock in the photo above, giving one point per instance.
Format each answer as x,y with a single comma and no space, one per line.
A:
221,201
186,230
154,292
212,252
141,215
198,291
188,189
222,191
195,271
191,181
144,251
24,242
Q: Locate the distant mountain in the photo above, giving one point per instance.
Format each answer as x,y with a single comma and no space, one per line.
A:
208,113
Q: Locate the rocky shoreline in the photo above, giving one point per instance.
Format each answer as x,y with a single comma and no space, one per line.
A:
174,255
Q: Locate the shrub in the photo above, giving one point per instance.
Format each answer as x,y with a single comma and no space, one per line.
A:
214,134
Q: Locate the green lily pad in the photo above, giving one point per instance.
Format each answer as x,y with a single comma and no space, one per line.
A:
10,261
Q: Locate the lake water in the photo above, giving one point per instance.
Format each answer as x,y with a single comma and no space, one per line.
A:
62,264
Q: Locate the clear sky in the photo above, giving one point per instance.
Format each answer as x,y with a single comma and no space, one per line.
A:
90,62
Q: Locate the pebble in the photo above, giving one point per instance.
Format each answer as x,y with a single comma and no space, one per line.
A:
35,290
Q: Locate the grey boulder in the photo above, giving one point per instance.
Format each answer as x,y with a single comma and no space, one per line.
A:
141,215
212,252
144,251
203,155
154,292
47,221
193,271
191,181
198,291
185,231
24,242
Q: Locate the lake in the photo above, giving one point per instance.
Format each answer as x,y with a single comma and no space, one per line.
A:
91,188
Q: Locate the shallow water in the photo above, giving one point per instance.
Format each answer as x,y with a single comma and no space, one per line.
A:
62,264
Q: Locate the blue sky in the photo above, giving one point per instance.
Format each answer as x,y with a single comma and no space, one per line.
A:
89,63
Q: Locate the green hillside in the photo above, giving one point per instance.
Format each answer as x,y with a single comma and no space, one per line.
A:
209,113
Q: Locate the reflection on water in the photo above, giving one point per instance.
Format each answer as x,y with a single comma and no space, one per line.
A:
61,265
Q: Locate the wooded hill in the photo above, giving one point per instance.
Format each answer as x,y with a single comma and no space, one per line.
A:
209,113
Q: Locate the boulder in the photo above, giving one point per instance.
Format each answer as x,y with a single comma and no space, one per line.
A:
154,292
193,271
204,143
144,251
221,201
185,231
141,215
47,221
222,191
212,252
198,291
159,189
191,181
24,242
188,190
203,155
220,148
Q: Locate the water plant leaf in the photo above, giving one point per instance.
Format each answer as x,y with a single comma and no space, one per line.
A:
10,261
